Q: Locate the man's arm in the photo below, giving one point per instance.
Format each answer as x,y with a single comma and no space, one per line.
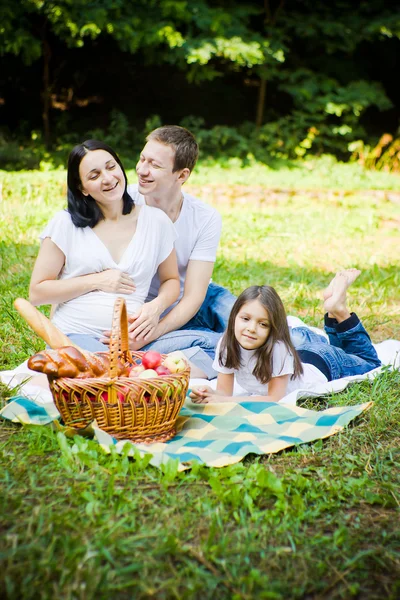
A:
198,276
144,323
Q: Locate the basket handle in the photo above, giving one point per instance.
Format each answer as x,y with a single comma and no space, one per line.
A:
119,340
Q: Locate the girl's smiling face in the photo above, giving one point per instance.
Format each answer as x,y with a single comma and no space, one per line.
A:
252,326
101,177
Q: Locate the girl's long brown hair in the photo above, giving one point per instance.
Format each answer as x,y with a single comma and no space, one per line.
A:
230,350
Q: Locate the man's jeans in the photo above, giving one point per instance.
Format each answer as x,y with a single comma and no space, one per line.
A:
349,351
197,339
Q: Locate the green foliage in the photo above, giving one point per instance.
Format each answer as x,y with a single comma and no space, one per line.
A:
280,43
385,156
326,115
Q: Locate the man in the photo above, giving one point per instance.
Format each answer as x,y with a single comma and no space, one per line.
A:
201,313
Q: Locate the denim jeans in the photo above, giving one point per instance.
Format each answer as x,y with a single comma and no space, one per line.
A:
204,329
349,350
214,313
87,342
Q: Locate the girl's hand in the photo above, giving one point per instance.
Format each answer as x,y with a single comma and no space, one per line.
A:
114,281
201,395
205,394
142,324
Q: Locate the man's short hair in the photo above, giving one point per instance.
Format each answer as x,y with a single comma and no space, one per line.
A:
183,142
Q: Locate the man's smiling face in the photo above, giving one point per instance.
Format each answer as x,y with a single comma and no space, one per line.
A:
155,170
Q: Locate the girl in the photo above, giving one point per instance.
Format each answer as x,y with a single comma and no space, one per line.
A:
268,362
103,246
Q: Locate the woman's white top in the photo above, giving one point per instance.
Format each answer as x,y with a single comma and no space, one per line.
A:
85,253
282,364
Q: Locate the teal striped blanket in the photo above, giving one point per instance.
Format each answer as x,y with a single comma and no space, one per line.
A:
215,435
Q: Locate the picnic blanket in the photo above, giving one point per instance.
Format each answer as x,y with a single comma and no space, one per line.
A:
213,434
217,434
221,434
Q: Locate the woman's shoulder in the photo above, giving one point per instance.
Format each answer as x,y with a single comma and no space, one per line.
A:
60,230
62,218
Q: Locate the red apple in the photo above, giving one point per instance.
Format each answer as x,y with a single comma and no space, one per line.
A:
121,397
162,370
151,360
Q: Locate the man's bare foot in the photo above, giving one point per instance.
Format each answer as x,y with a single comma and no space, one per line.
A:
335,295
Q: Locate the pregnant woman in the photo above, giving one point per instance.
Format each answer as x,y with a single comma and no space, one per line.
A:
102,247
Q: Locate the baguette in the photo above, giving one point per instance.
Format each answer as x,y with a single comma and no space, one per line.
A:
65,359
42,325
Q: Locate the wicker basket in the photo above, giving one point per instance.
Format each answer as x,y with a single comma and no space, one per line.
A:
141,410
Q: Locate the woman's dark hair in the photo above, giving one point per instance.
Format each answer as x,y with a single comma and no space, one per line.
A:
84,211
230,351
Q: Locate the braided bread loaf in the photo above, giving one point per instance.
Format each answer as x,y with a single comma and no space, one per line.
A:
69,361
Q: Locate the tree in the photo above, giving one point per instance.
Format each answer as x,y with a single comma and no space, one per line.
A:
309,53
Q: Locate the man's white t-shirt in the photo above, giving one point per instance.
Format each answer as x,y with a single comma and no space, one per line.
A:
282,364
199,229
85,253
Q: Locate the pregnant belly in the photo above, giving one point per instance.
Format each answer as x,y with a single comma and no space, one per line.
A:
91,314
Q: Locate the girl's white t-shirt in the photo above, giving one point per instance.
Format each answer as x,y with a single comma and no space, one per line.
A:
91,313
282,364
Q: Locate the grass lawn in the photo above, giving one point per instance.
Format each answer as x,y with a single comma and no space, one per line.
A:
78,524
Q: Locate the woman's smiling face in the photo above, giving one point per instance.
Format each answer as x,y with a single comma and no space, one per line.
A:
101,177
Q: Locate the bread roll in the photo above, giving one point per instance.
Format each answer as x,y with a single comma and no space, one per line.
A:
70,362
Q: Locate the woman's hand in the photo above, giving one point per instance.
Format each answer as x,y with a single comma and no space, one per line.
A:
114,281
142,324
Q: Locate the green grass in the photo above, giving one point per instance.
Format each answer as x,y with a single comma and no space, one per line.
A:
324,172
79,524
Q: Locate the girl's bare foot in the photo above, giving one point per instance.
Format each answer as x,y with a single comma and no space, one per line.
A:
327,293
351,275
335,298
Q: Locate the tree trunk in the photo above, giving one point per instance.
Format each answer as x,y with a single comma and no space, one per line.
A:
270,18
261,102
46,93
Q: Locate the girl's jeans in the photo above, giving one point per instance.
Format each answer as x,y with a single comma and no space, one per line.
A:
349,351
